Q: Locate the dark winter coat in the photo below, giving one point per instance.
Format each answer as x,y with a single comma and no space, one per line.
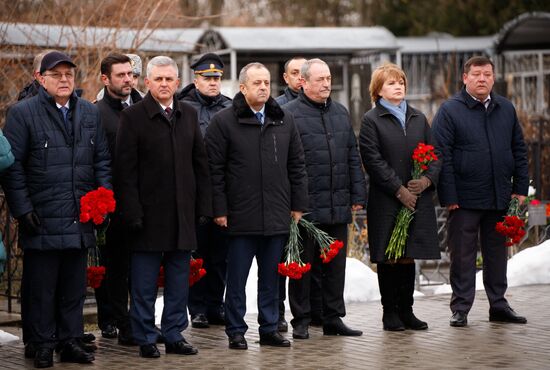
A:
258,172
206,107
386,150
287,96
335,177
29,91
110,109
53,170
485,157
161,175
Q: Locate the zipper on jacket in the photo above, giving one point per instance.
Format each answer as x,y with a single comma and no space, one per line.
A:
275,147
45,164
331,166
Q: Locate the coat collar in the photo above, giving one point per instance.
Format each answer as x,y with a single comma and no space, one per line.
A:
471,102
116,104
272,108
303,97
48,102
152,107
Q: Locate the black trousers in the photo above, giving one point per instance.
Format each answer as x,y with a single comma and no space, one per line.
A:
206,295
330,275
465,226
112,295
52,292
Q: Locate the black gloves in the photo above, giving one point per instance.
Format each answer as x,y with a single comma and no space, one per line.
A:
29,223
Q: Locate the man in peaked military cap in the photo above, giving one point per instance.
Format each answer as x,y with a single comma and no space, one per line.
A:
206,296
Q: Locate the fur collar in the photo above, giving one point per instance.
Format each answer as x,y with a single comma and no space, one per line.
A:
272,108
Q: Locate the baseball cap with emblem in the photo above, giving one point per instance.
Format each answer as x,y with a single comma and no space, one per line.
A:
52,59
209,65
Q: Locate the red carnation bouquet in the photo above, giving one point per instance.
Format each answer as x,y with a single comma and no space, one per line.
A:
513,226
94,207
293,267
422,156
196,272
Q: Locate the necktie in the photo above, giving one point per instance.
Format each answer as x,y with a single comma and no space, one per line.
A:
168,112
125,105
260,117
65,112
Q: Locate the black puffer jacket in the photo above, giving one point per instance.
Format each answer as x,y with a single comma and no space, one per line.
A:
258,172
287,96
53,170
206,107
335,176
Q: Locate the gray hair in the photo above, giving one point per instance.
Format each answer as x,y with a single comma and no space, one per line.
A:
159,61
304,71
243,76
38,59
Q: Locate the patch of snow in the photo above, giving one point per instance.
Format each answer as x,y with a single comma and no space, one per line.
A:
7,337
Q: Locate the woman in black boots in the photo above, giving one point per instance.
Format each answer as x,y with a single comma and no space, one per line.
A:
390,132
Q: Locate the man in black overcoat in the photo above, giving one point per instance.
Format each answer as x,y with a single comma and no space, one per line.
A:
112,295
259,183
162,187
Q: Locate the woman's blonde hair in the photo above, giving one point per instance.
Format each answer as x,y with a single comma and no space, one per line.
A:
383,73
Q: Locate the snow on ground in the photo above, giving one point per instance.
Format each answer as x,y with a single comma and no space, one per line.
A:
530,266
7,337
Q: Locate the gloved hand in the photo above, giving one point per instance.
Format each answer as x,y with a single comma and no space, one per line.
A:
104,224
416,187
406,197
135,225
29,223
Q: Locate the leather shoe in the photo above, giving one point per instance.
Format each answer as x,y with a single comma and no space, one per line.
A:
73,352
338,327
149,351
300,332
109,331
43,357
274,339
88,337
199,321
181,347
282,325
506,315
237,341
459,319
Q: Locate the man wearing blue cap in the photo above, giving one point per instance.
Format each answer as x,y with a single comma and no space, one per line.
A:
60,154
206,296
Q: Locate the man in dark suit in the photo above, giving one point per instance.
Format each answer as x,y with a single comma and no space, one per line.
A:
162,186
484,166
112,295
60,154
259,183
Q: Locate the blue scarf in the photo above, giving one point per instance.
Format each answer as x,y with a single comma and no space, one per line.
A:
399,111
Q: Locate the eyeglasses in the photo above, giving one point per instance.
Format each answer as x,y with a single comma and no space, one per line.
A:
58,76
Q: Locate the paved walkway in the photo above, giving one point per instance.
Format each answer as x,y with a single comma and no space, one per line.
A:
482,345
